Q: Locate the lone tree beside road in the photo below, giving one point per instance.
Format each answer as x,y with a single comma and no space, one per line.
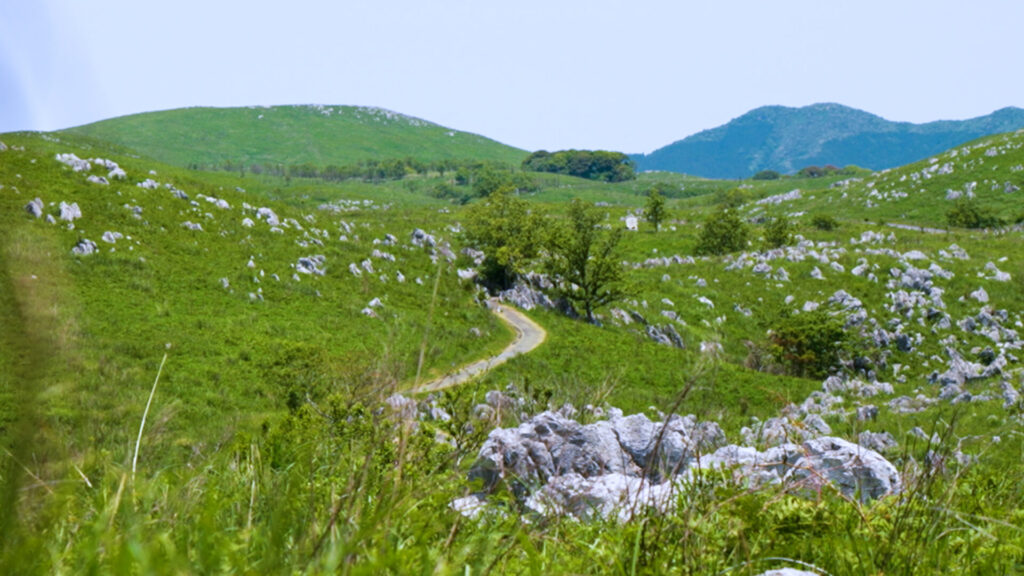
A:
507,231
582,260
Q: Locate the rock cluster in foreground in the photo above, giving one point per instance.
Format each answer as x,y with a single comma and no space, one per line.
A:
624,464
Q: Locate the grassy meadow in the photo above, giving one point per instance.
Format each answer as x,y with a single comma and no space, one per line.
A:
267,447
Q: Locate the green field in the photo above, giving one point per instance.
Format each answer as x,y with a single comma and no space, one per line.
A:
268,447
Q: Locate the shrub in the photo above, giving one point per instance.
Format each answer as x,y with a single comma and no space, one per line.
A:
826,223
446,191
778,232
723,232
808,344
968,214
732,198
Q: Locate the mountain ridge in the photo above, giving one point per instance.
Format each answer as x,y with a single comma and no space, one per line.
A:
785,139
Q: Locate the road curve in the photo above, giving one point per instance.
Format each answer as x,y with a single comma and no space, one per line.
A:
529,335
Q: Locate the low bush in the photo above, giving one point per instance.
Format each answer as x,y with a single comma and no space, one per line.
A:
808,344
969,214
723,232
778,232
824,223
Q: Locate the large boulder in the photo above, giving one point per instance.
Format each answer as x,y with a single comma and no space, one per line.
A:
550,445
625,464
857,472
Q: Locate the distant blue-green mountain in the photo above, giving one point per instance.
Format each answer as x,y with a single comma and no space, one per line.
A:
787,139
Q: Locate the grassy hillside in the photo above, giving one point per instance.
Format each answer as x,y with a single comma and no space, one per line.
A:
268,447
988,172
291,135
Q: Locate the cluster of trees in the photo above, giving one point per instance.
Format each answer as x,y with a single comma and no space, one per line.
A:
578,253
372,170
725,231
828,170
591,164
767,175
482,180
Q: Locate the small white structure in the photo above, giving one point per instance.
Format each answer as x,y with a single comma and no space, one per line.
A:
632,223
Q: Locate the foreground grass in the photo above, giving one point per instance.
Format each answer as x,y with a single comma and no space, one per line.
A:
336,489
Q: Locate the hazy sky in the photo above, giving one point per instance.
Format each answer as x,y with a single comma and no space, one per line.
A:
553,74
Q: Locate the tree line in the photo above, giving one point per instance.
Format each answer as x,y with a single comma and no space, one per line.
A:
591,164
372,170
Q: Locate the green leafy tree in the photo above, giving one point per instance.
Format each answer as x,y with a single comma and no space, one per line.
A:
778,232
767,175
723,232
507,231
583,262
655,211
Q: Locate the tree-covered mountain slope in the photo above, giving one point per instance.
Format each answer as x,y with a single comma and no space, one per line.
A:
787,139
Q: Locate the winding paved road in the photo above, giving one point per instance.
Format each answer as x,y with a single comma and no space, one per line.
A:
529,335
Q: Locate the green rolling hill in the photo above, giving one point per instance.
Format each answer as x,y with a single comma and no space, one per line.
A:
313,134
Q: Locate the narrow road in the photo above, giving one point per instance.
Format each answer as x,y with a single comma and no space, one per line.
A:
529,335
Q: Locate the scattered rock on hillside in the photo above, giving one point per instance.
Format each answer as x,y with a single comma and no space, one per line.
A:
980,295
84,247
311,264
996,274
666,335
421,238
35,207
70,212
112,237
269,216
74,162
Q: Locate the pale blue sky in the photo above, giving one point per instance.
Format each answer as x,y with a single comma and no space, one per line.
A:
630,76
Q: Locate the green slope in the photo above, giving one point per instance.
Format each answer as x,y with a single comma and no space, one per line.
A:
318,135
989,171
